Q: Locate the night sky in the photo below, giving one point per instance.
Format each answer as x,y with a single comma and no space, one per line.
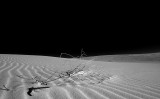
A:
91,46
97,32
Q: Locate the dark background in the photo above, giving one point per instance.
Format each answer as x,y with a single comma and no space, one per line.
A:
98,30
90,46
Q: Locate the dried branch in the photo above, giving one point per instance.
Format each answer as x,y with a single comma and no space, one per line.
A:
36,79
79,57
5,88
20,76
34,89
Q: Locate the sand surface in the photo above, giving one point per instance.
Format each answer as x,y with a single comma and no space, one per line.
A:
128,80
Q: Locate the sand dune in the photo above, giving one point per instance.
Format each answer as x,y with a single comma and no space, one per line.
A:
126,80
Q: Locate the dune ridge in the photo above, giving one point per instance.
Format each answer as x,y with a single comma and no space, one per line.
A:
117,87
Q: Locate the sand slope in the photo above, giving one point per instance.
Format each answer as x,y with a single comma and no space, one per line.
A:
128,80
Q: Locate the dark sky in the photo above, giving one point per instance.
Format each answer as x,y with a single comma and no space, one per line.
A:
108,32
91,46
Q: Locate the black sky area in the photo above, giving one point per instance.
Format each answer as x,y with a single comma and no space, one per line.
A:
105,31
95,48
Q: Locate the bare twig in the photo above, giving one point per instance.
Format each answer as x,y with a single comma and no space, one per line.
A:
20,76
81,56
34,80
5,88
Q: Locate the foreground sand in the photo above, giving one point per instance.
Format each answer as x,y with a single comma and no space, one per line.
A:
127,80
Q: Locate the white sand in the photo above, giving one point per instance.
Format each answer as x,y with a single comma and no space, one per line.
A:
129,80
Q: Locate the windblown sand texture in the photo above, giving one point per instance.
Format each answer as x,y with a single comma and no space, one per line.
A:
125,80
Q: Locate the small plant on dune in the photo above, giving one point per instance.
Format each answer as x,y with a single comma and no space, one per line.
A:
58,75
78,68
76,74
79,74
67,73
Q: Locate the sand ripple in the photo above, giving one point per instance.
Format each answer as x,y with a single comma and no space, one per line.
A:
113,88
